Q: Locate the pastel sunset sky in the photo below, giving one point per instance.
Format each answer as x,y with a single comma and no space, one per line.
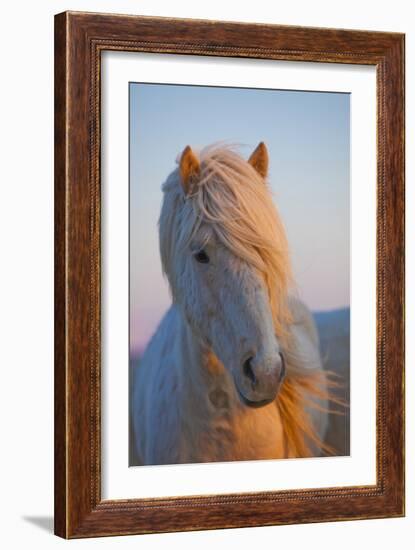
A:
308,139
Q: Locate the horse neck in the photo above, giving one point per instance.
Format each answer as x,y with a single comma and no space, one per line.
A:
201,372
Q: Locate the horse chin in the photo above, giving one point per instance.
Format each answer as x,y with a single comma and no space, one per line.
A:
253,404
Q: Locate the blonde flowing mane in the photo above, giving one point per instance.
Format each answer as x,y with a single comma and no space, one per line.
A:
232,199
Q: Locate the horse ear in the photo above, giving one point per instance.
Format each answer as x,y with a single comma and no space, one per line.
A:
189,168
259,160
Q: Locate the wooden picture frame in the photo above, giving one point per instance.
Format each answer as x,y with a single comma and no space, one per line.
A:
79,40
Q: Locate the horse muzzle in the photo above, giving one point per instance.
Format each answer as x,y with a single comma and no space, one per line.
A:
258,381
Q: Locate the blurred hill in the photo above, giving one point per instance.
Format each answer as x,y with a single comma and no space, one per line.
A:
334,331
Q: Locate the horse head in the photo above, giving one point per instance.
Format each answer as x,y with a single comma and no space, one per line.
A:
224,252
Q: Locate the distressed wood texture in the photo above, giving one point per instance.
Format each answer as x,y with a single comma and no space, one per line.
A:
79,39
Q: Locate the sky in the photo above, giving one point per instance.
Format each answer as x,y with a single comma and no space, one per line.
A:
308,139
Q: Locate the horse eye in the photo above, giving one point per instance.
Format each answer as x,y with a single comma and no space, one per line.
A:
202,257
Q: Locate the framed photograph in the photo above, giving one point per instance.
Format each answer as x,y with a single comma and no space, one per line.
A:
229,274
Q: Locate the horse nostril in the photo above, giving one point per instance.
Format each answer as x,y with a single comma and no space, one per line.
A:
248,371
282,372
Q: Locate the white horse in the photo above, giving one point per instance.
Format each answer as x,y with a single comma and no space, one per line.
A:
233,371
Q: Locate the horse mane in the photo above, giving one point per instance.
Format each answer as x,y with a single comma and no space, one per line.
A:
236,203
